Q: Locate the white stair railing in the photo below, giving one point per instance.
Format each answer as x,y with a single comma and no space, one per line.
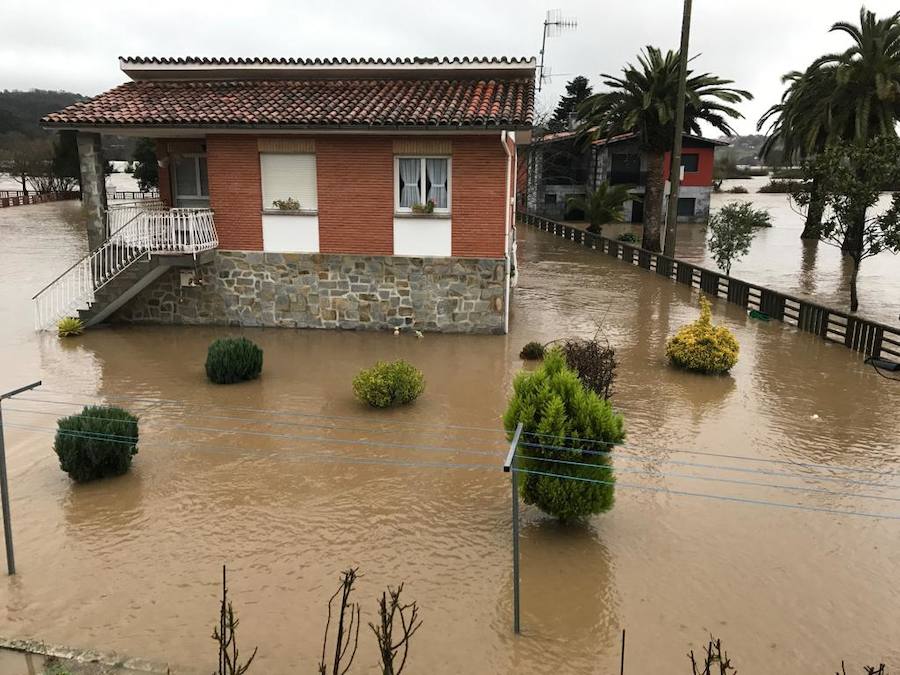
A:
139,234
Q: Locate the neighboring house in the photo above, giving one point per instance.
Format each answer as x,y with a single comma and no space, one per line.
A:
560,165
360,193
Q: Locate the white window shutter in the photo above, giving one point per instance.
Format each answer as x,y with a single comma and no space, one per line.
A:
289,176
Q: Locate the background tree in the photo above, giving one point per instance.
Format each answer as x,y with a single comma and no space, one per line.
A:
558,411
731,231
643,101
603,205
577,90
146,170
851,177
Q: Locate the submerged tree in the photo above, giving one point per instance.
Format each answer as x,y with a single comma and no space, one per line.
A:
603,205
852,177
225,635
642,101
731,231
568,435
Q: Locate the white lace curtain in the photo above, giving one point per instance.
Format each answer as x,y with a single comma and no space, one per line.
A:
410,174
436,172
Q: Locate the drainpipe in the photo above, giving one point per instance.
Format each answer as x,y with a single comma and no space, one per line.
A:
506,204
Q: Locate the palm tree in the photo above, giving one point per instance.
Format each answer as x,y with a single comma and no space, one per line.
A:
803,124
643,101
602,205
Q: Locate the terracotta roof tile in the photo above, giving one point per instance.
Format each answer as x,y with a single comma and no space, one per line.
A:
459,103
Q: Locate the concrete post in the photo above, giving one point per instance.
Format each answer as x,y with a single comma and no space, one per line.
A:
93,186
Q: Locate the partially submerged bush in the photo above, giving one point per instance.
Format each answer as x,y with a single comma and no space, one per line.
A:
628,238
533,351
738,190
388,384
781,186
70,326
594,362
231,360
556,410
97,442
703,347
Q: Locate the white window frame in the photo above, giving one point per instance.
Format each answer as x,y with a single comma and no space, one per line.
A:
196,156
422,163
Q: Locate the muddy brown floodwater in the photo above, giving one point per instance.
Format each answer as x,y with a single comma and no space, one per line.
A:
131,564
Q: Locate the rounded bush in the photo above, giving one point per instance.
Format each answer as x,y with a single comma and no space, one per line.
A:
570,432
389,384
703,347
533,351
69,326
231,360
97,442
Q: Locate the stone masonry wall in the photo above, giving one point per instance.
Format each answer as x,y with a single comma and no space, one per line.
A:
292,290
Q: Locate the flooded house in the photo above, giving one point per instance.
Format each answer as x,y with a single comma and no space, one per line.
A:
344,193
564,164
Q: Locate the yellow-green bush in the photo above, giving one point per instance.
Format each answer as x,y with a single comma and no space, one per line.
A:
69,326
703,347
389,384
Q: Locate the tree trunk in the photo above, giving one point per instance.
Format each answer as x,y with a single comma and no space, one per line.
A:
853,238
653,201
813,227
854,299
24,185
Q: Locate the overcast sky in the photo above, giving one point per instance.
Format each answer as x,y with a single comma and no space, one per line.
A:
66,45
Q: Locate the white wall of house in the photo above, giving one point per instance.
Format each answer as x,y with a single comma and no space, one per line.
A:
422,236
292,233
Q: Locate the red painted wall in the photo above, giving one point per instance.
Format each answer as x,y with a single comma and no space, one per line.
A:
703,177
356,194
235,191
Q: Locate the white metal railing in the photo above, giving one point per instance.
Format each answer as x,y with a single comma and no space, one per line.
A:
139,231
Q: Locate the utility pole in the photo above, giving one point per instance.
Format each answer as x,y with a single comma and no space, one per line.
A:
675,169
510,468
4,484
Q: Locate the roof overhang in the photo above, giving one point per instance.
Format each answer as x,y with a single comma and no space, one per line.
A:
191,68
523,133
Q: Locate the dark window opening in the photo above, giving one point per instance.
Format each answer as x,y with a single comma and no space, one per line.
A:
686,206
690,162
550,198
625,169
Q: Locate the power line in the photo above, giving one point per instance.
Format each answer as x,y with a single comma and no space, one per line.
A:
700,465
288,413
734,481
741,500
811,465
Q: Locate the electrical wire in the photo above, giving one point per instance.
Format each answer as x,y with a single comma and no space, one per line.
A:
740,500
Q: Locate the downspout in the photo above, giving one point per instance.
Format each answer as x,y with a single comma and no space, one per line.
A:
509,253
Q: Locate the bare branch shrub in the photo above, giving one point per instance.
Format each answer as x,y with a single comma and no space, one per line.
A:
224,634
595,362
715,660
390,608
347,628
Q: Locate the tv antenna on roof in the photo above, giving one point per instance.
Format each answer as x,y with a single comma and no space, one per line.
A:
554,25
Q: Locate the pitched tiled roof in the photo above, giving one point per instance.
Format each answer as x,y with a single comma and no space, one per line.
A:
301,103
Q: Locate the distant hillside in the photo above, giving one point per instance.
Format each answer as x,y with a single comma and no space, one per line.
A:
21,112
744,150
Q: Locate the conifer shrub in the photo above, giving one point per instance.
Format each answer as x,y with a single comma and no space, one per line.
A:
563,420
532,351
703,347
388,384
231,360
99,441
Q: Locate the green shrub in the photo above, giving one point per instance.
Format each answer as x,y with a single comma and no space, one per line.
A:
69,326
628,238
738,190
231,360
389,384
556,410
703,347
533,351
97,442
781,186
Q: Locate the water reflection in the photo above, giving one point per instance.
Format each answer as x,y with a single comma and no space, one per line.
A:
807,278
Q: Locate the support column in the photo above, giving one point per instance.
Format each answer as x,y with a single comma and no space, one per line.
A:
93,186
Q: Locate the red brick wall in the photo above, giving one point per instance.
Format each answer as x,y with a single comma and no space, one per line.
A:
356,194
479,192
235,191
